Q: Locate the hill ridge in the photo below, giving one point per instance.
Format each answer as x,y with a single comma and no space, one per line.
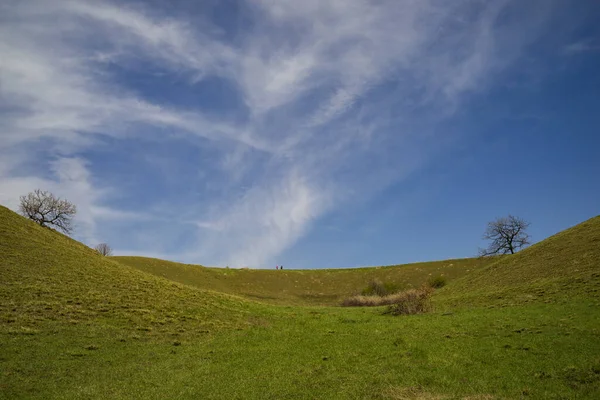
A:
47,276
565,263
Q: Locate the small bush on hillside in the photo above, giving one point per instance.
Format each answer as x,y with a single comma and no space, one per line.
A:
378,288
414,301
437,282
104,249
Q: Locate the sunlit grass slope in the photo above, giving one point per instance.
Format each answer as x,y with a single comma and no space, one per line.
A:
303,287
46,278
75,325
564,265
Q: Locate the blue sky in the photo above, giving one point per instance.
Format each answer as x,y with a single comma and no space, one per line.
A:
305,133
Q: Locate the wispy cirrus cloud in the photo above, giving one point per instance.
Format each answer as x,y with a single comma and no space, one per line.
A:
323,104
581,46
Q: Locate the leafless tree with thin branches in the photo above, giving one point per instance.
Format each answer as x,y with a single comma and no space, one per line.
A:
104,249
508,235
48,210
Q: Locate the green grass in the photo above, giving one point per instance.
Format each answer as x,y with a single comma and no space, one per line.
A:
50,278
77,325
304,287
564,266
544,351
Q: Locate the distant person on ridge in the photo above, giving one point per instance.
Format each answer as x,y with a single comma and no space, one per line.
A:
277,267
281,267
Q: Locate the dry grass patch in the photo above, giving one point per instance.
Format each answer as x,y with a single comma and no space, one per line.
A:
369,301
413,301
418,393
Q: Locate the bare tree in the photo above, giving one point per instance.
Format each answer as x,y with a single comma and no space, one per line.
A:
48,210
104,249
508,234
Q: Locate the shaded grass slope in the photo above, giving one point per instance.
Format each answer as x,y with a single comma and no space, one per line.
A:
306,287
47,278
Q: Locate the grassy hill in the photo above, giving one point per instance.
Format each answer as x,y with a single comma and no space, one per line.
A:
49,278
77,325
562,266
303,287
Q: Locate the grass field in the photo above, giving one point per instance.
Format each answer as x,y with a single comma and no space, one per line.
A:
74,324
303,287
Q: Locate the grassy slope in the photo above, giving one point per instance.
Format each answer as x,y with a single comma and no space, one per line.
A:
564,265
48,277
307,287
134,335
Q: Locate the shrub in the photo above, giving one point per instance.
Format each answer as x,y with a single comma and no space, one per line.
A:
361,301
414,301
375,288
104,249
437,282
370,301
378,288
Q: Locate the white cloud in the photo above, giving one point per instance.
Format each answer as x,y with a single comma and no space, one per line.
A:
263,223
61,93
330,90
107,213
171,41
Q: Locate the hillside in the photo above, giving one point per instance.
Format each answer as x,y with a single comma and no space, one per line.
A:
564,265
303,287
74,325
48,278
